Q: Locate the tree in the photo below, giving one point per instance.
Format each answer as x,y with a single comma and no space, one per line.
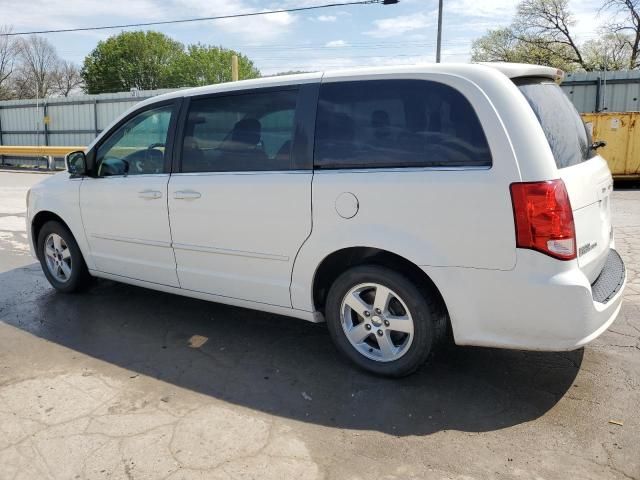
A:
37,61
7,61
611,52
131,60
541,33
204,65
626,26
500,45
67,78
546,24
150,60
503,45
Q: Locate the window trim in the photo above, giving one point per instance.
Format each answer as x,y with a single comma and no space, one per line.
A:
303,131
175,103
398,167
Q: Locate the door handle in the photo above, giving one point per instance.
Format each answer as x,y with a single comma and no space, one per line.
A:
186,195
150,194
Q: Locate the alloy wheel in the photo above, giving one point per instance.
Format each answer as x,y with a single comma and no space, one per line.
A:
58,257
377,322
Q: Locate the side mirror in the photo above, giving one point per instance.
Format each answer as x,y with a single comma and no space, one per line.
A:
76,163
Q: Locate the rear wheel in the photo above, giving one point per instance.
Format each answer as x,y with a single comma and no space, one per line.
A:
382,322
61,259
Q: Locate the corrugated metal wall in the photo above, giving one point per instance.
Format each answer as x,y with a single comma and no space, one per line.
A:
71,121
77,120
604,91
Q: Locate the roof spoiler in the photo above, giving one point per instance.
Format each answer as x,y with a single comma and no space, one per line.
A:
517,70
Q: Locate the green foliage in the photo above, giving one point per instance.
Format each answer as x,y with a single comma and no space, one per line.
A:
204,65
130,59
151,60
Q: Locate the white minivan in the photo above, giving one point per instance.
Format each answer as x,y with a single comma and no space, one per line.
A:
400,205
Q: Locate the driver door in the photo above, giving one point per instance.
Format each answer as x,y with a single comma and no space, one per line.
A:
124,202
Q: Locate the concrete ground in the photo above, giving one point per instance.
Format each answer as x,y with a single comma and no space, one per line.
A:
122,382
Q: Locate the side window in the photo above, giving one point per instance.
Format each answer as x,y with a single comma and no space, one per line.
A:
138,146
246,132
397,123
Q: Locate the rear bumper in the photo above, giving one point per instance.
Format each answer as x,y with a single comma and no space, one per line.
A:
542,304
611,279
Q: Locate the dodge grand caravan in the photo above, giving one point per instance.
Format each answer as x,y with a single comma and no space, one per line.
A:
396,204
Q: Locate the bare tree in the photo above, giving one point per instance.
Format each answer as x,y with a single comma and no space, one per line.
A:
547,24
67,78
627,25
504,45
38,60
541,32
7,61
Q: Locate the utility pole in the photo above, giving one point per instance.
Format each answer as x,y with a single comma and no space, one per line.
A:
439,41
37,115
234,68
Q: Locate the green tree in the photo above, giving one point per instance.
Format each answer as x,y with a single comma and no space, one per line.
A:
204,65
131,60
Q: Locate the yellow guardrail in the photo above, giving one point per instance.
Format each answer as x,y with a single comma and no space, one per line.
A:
30,151
622,135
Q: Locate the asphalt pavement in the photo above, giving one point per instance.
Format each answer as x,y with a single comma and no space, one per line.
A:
123,382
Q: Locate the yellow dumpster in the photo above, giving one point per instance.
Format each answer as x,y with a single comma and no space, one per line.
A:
620,132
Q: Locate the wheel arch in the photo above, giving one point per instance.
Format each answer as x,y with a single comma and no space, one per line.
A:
340,260
38,222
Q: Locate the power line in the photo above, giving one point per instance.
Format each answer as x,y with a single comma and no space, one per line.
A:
201,19
253,53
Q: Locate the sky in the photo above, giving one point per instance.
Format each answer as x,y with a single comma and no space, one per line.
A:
330,38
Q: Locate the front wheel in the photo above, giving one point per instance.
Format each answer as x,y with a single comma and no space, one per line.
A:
61,259
382,322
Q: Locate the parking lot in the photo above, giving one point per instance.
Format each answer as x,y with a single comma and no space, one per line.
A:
122,382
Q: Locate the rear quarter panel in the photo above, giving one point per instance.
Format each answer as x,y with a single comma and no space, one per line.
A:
432,217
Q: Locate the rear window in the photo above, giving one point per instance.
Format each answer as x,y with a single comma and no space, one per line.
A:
397,123
566,133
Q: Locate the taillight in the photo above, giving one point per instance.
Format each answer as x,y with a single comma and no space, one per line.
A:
543,218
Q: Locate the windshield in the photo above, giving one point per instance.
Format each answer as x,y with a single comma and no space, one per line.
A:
568,138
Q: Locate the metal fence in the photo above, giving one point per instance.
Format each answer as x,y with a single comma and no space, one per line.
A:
604,91
62,121
77,120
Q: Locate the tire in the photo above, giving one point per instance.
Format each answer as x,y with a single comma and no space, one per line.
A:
410,347
74,276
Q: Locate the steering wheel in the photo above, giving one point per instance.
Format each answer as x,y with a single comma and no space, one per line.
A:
149,164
